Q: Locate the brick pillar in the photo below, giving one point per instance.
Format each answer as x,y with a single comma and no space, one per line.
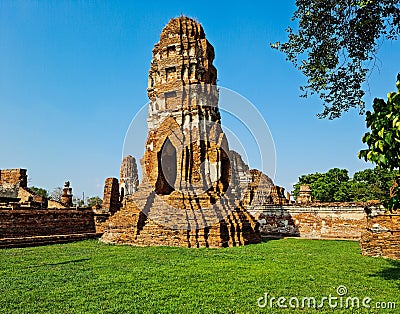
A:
111,201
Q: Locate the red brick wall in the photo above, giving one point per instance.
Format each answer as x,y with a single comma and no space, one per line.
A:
30,222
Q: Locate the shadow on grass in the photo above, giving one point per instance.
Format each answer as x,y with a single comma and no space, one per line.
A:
62,263
266,239
391,273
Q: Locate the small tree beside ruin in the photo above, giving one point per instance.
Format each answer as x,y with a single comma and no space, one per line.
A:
55,195
94,200
40,191
384,140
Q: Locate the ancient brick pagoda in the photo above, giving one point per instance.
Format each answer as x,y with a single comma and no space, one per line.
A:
187,196
129,179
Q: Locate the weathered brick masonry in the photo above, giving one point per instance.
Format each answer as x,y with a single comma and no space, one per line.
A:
313,221
13,177
382,236
111,197
29,226
43,222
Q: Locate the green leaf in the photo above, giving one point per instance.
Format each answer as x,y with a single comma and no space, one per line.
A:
380,133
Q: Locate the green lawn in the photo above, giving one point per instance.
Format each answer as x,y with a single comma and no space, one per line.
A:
91,277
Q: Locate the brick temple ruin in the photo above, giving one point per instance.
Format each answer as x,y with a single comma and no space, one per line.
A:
167,207
194,191
187,196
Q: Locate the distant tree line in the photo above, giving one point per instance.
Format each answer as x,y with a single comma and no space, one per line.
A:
335,185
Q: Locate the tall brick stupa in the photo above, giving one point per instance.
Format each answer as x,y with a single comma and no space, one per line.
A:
187,196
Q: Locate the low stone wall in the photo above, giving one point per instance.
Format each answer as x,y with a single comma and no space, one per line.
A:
18,223
316,222
382,236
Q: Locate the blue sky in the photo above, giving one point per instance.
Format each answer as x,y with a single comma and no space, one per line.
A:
74,74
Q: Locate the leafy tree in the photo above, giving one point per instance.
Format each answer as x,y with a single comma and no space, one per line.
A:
336,186
95,200
381,178
325,187
384,138
40,191
305,179
372,184
334,45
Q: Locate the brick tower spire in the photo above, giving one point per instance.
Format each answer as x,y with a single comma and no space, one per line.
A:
186,149
186,196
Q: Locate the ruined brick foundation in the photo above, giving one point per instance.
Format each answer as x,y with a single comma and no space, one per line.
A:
132,226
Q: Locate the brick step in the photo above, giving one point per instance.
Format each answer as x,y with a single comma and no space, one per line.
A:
46,240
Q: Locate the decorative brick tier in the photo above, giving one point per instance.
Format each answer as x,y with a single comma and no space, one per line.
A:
156,223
